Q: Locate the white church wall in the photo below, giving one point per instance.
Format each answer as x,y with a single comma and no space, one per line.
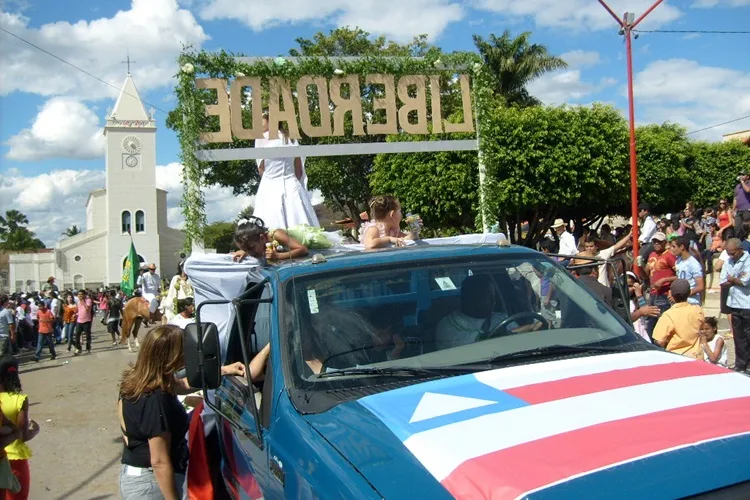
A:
96,210
84,265
28,271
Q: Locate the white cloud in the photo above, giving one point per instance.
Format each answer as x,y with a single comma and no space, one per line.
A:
579,14
64,128
396,18
566,86
52,201
581,58
152,30
696,96
702,4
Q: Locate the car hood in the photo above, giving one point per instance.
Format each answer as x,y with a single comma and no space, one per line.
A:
628,425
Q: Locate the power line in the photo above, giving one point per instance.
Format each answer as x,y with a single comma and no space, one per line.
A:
719,124
708,32
79,69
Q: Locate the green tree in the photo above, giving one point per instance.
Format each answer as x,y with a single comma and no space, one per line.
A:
664,160
514,63
714,170
343,180
547,162
71,231
441,187
219,235
15,236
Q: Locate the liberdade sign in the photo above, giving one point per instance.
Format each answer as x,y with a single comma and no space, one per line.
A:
404,102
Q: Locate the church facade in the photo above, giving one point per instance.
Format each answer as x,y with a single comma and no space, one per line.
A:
129,206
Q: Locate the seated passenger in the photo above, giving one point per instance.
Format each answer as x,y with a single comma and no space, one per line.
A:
254,239
477,315
385,227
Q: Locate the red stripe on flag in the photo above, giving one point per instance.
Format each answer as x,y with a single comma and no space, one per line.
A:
520,469
607,381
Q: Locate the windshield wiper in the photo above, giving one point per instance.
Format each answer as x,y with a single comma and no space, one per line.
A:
397,371
559,349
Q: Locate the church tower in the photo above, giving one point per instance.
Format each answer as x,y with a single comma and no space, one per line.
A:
131,195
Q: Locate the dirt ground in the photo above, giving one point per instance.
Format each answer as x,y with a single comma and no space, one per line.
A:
77,453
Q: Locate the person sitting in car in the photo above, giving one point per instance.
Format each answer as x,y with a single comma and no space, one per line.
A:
476,317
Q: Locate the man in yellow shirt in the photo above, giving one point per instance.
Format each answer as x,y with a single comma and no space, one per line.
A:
678,328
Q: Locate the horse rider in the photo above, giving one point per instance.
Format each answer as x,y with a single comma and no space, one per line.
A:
151,286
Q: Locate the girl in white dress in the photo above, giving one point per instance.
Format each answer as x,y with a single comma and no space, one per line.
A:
282,200
179,288
714,347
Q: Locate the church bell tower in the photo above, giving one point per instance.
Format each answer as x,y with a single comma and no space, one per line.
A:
130,181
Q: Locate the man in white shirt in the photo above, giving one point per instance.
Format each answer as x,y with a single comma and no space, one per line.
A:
186,308
150,284
567,240
590,246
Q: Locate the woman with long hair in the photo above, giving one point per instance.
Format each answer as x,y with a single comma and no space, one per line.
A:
15,407
282,200
152,420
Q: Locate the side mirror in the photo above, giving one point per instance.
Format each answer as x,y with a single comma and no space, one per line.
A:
202,356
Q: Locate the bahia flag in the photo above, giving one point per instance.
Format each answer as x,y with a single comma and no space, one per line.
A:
129,272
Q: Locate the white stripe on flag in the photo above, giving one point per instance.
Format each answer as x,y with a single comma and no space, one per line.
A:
519,376
443,449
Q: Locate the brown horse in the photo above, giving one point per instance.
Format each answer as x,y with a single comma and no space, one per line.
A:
133,314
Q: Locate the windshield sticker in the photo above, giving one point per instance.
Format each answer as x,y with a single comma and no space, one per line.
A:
312,299
445,283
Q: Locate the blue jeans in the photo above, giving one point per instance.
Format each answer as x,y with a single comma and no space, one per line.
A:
68,333
141,484
43,338
662,302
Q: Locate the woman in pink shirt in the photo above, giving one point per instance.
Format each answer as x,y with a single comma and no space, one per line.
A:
85,315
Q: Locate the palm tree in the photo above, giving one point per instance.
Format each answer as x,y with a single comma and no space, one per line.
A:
71,231
514,63
12,221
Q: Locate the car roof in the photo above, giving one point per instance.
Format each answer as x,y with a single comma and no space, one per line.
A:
333,261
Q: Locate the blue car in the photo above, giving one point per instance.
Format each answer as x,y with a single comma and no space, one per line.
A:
454,371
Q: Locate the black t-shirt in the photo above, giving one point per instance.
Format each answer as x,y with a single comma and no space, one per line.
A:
153,414
115,308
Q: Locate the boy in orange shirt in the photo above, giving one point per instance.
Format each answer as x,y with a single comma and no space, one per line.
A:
47,322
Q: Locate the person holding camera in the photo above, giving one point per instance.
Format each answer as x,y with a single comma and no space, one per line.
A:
741,204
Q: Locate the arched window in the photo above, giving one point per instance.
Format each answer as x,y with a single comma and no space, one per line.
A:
140,221
141,261
125,218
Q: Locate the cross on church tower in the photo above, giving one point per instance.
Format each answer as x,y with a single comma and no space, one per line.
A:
128,62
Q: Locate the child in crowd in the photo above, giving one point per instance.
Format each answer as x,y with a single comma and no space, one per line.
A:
253,238
714,347
15,407
385,227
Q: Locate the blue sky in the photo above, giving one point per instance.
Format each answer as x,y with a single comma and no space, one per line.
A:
51,150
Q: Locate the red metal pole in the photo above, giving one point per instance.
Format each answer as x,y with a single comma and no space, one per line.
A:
645,13
633,163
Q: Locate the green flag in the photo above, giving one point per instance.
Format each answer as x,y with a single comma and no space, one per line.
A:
130,271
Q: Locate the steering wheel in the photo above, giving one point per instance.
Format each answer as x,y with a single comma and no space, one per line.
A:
546,325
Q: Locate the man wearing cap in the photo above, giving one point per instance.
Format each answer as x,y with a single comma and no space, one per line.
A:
678,329
49,286
735,275
567,240
150,284
741,205
661,271
589,276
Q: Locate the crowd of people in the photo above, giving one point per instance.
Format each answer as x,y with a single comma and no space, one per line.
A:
668,280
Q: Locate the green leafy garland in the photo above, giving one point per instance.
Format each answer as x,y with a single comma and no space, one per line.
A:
188,119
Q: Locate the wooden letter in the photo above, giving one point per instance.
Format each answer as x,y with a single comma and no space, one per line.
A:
236,93
342,105
437,113
220,109
468,123
387,102
417,103
280,90
310,130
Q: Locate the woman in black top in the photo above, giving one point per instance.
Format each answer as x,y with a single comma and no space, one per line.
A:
153,422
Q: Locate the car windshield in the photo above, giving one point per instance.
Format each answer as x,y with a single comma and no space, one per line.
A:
428,317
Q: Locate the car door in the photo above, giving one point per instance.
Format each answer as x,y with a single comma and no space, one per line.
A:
252,472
